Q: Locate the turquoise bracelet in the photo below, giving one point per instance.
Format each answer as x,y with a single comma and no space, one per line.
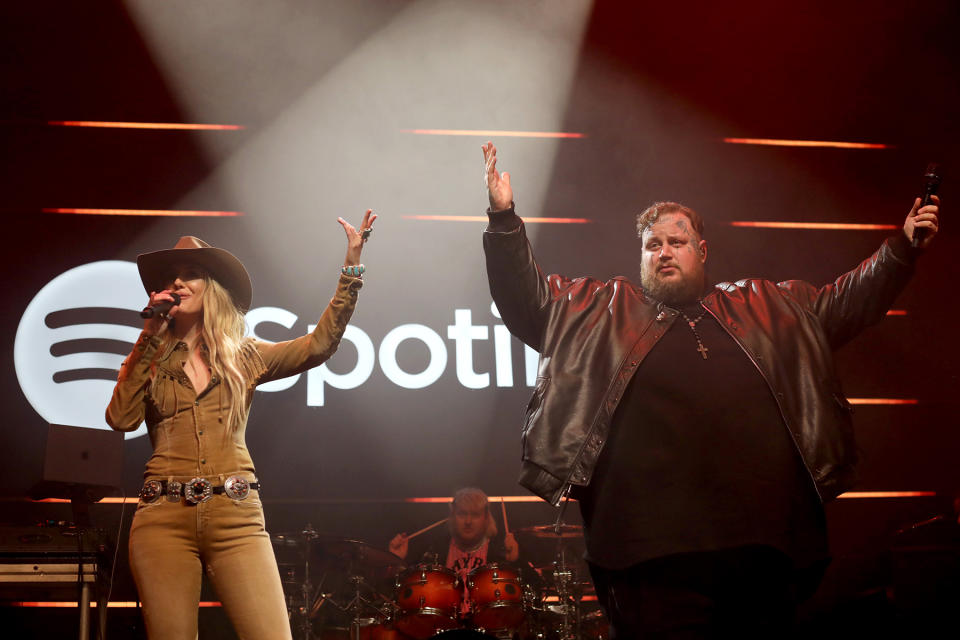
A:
354,270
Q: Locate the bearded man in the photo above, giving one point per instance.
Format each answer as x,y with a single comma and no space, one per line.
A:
700,427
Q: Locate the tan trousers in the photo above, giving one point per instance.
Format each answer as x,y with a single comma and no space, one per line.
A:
171,543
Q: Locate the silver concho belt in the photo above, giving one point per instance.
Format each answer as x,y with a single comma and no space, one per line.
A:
197,490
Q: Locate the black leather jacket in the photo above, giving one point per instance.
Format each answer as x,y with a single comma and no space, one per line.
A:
593,335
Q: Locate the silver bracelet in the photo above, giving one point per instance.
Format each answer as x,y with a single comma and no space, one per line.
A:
353,270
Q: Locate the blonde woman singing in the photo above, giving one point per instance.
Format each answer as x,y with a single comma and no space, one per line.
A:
191,376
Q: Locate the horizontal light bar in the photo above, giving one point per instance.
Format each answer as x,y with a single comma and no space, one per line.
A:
103,501
495,499
830,226
145,125
447,499
897,312
73,605
443,500
808,143
143,212
532,220
493,134
883,401
888,494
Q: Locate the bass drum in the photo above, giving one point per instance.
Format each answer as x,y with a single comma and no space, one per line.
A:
462,634
496,597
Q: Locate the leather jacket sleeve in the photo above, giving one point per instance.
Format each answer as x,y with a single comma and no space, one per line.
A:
861,297
519,288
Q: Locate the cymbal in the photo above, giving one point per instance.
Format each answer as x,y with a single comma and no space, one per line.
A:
577,565
355,551
550,531
293,539
576,574
289,540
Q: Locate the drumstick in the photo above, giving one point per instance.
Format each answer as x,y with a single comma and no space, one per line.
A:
425,529
506,526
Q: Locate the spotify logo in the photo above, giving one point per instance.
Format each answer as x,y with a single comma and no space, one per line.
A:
73,338
76,332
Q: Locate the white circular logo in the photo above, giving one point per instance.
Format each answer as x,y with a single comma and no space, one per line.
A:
72,339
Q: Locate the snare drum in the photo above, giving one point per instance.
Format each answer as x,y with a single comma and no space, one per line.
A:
429,597
496,597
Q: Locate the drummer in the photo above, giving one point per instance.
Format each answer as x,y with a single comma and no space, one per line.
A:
471,539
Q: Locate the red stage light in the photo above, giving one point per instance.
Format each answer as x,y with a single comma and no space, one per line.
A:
144,125
808,143
116,604
829,226
142,212
532,220
446,500
493,134
887,494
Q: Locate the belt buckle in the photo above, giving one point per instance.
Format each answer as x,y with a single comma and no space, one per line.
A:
236,487
198,490
151,490
174,491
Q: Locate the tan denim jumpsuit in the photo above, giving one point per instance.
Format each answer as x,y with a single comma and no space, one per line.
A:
171,543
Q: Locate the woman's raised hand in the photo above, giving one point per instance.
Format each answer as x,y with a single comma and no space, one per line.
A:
356,239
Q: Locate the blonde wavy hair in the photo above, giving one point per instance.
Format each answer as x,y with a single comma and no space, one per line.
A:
222,331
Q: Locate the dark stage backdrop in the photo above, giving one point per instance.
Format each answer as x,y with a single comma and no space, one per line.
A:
342,106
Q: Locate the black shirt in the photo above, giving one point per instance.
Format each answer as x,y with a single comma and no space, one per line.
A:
699,459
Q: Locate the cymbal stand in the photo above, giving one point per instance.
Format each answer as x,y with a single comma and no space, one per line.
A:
302,612
568,593
359,604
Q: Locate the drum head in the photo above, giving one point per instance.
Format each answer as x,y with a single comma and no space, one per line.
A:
461,634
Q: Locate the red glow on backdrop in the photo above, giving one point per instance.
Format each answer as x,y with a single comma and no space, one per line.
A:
182,126
494,134
887,494
773,142
516,499
897,312
445,500
829,226
143,212
116,604
531,220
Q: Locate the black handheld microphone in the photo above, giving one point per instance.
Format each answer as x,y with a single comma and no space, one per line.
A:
931,182
161,307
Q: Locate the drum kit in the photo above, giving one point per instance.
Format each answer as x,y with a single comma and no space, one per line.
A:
342,589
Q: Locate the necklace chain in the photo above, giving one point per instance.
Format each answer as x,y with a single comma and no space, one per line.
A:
693,327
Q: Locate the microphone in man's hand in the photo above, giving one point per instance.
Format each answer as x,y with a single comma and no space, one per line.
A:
931,182
161,308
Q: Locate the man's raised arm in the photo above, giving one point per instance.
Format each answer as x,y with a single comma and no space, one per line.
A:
862,296
518,287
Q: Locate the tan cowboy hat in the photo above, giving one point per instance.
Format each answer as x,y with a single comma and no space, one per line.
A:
223,266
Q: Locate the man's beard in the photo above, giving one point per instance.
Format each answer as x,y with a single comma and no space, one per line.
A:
675,292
